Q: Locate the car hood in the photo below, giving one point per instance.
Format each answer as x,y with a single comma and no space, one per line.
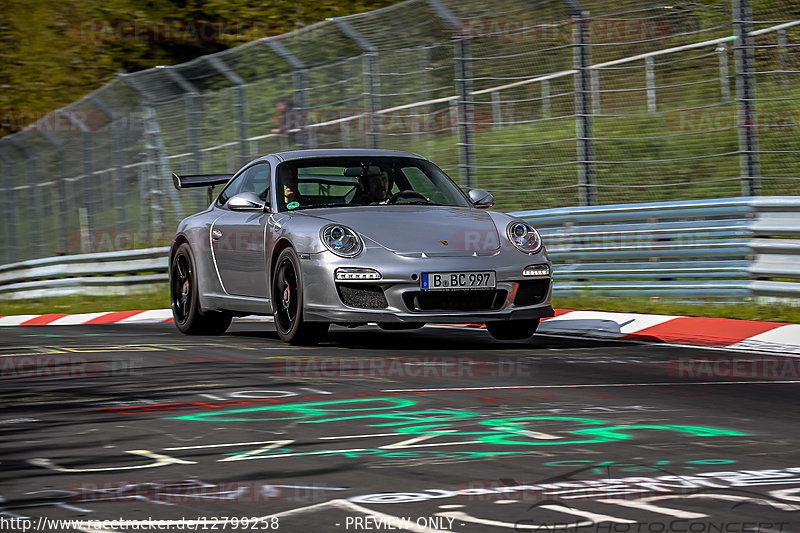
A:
413,230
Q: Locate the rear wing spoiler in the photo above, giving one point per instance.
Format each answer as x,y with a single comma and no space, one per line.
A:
200,180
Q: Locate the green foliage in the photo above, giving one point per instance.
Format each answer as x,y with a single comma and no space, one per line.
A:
53,53
86,304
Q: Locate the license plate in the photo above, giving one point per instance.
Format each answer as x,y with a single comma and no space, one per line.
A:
447,281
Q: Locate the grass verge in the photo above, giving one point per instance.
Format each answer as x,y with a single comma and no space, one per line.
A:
160,300
85,304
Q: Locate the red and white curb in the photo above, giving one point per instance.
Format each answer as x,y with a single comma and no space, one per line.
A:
117,317
697,331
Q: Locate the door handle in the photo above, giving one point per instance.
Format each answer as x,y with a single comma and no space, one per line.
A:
216,234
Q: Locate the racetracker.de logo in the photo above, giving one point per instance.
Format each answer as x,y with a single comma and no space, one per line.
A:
768,367
177,492
173,31
600,31
398,367
342,121
776,120
61,121
55,366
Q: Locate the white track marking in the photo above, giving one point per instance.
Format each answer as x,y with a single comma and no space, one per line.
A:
644,506
200,446
254,454
725,497
159,460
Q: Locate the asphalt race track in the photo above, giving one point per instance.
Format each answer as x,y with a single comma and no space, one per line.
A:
439,429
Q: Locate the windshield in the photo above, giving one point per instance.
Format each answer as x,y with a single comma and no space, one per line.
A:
374,181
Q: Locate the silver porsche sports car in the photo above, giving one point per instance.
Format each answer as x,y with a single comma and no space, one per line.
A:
315,237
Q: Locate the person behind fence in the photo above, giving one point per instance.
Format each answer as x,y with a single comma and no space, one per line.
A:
284,116
375,189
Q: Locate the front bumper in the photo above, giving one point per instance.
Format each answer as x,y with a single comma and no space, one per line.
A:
322,301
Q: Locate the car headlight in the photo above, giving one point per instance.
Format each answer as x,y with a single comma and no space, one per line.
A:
524,237
341,240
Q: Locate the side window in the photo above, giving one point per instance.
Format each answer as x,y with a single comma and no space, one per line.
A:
230,190
254,179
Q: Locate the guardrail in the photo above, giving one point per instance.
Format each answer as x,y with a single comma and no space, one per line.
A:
728,250
100,274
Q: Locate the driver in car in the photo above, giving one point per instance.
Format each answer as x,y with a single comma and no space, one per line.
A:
376,190
378,187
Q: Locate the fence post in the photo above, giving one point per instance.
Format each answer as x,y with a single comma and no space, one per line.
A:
31,174
61,202
118,195
745,97
545,92
371,79
594,83
497,110
783,47
157,166
430,123
463,80
300,81
583,102
240,105
193,100
650,76
87,201
194,111
10,209
724,72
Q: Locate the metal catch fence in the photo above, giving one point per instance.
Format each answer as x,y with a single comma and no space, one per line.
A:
549,103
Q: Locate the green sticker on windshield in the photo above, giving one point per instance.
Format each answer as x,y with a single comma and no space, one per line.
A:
292,205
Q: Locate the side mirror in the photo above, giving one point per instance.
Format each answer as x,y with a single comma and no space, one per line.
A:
480,198
245,201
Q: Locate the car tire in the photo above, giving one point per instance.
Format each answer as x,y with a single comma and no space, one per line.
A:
512,330
287,298
184,300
